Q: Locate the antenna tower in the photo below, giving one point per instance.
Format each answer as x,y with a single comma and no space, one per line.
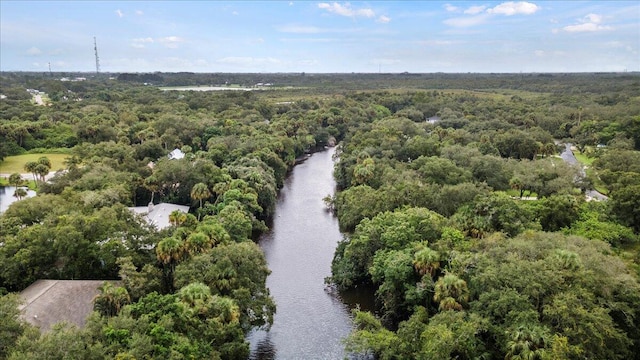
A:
95,47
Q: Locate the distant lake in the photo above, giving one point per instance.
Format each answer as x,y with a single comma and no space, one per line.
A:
7,198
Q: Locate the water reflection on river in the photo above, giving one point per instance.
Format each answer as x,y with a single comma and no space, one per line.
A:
7,198
310,320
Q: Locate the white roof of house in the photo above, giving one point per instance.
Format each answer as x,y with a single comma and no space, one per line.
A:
176,154
159,214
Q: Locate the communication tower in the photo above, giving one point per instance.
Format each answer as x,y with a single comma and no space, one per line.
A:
95,47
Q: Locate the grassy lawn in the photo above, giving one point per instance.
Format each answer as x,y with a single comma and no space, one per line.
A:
592,174
30,183
584,159
598,185
15,164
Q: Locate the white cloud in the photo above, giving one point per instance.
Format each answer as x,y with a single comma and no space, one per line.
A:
34,51
139,12
139,43
143,40
590,23
346,10
593,18
514,8
466,21
170,41
473,10
235,13
480,14
586,27
384,19
119,13
539,53
450,8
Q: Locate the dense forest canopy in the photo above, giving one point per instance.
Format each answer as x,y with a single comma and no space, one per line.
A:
477,237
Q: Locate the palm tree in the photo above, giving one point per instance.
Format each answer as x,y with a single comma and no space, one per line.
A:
200,191
216,233
153,185
517,184
31,167
426,261
227,309
41,170
569,260
20,193
169,252
527,343
199,242
177,218
451,292
550,148
111,299
44,161
198,296
15,179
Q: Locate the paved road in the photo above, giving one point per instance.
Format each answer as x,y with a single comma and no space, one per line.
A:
29,176
567,155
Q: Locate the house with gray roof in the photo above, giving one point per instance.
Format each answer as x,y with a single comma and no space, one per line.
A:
158,215
48,302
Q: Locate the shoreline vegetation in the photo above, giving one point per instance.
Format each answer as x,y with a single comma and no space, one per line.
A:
430,173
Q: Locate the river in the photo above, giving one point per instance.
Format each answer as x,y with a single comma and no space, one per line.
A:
310,320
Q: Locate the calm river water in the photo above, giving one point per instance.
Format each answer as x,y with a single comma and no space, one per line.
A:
7,198
310,320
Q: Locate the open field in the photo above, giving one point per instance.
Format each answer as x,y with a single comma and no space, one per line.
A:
15,164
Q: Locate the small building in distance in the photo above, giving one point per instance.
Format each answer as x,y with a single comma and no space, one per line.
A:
433,119
48,302
158,215
176,154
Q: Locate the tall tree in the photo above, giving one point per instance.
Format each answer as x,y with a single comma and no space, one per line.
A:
200,192
15,179
20,193
169,252
31,167
111,299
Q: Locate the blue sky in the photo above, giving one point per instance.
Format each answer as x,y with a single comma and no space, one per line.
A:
318,36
